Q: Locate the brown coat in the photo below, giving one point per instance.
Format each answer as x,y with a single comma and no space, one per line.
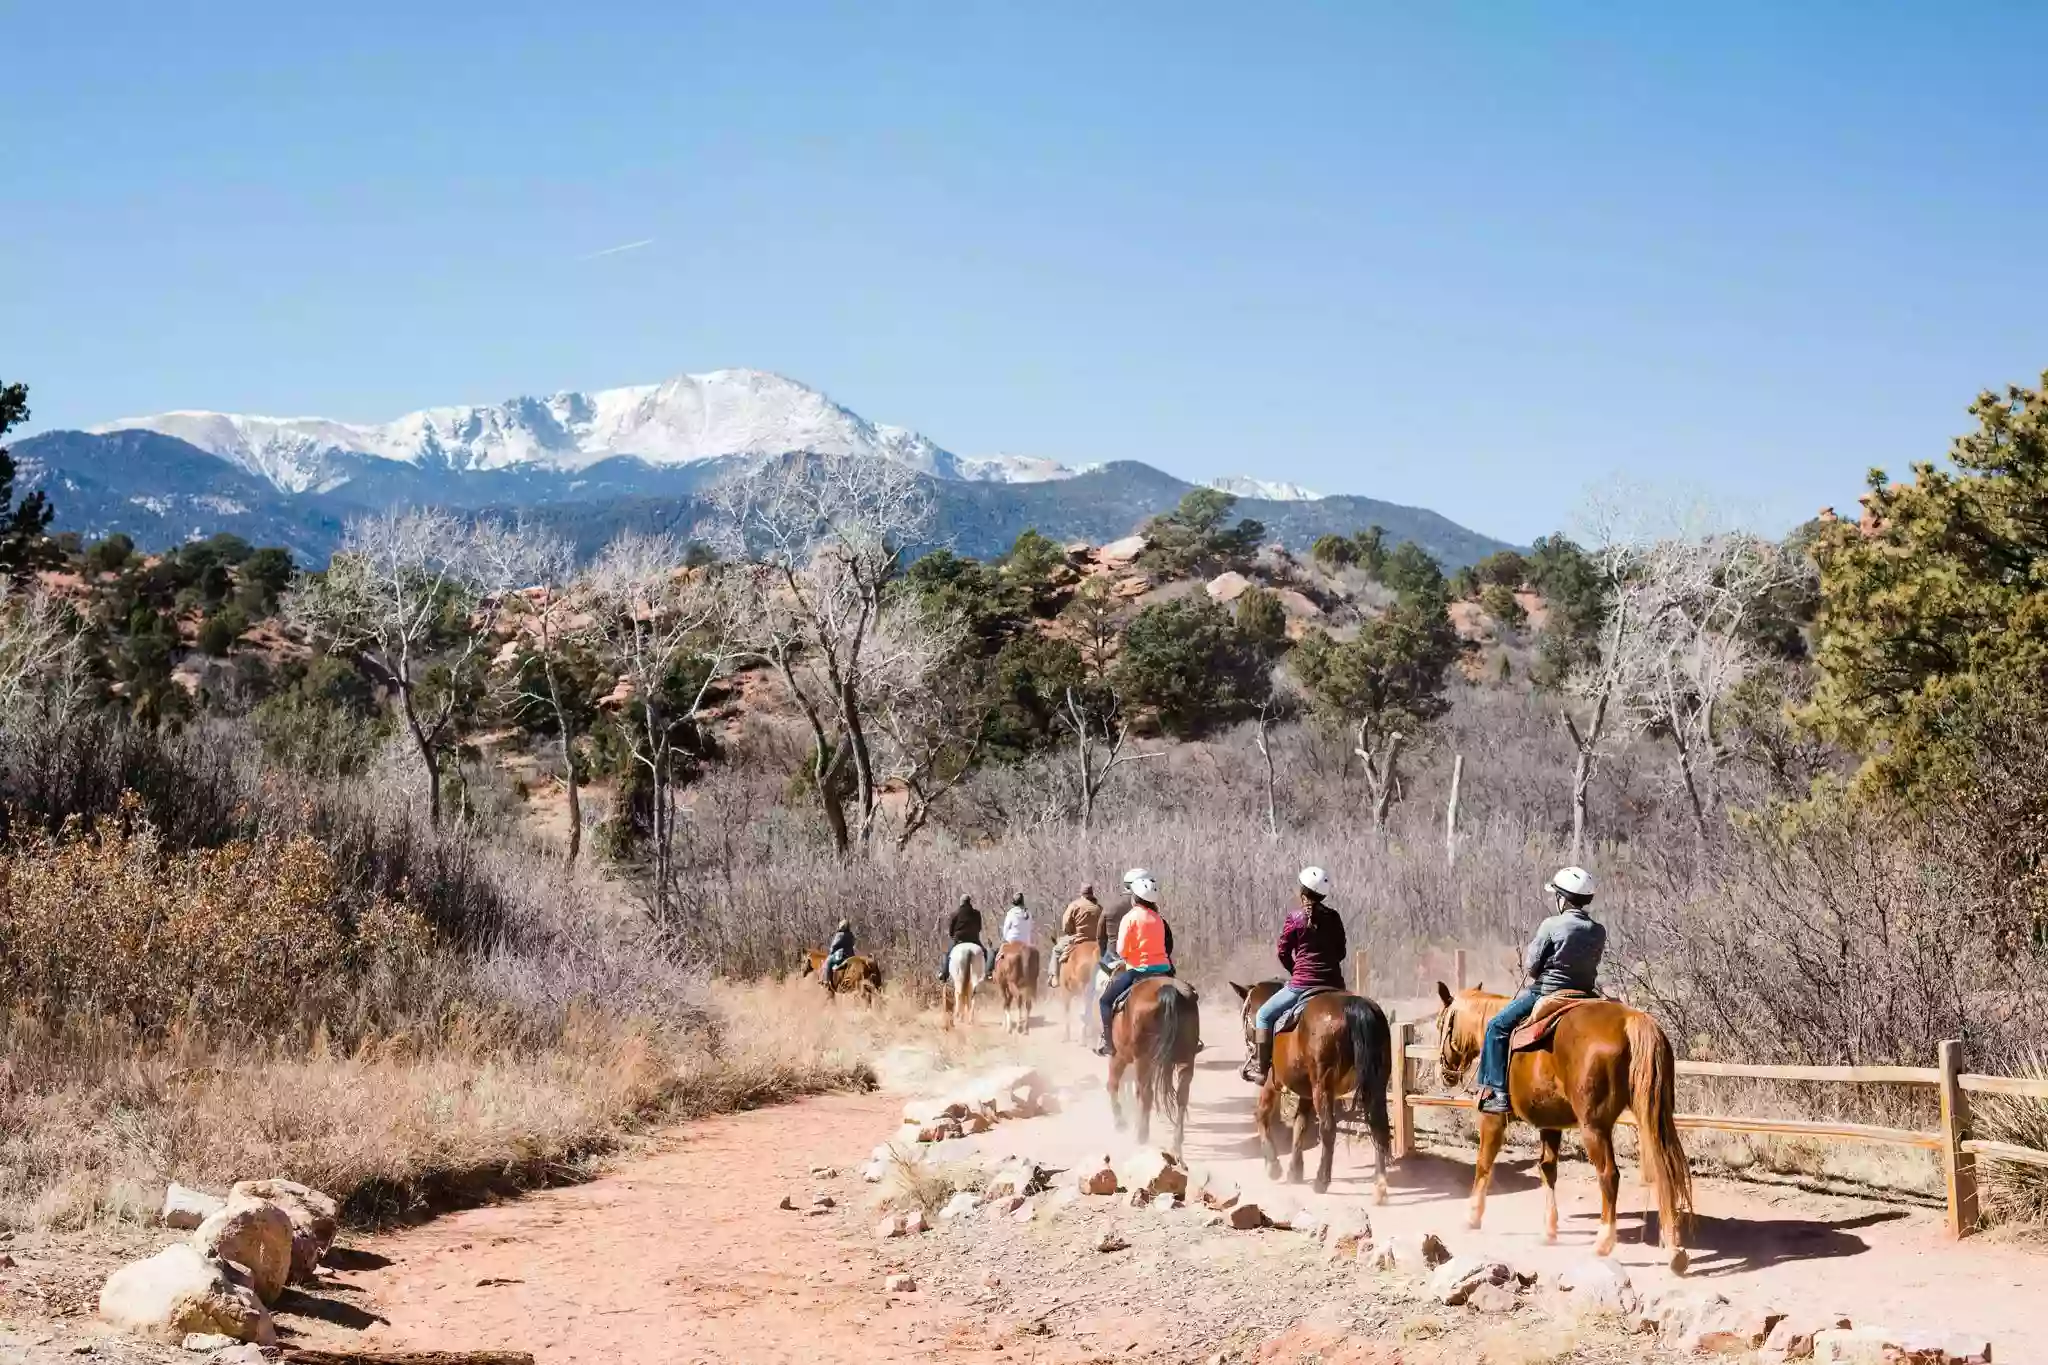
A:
1082,919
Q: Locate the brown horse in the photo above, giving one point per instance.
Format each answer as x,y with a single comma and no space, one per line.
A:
1603,1060
1016,977
861,975
1342,1049
1077,988
1156,1037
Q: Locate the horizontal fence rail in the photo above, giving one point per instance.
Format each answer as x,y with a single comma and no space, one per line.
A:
1957,1149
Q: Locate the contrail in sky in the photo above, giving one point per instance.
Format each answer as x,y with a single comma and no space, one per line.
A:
615,250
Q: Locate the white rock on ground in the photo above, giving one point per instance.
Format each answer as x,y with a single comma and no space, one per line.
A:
1792,1338
178,1292
959,1206
207,1341
254,1234
243,1355
1412,1253
1153,1171
185,1208
1493,1298
1883,1346
1347,1234
1100,1180
900,1284
1456,1279
1595,1288
316,1219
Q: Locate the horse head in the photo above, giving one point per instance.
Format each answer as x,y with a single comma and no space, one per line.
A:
1461,1029
1253,996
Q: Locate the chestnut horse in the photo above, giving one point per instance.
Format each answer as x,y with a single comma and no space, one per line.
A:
1342,1049
1016,977
1155,1038
856,974
1603,1059
1077,986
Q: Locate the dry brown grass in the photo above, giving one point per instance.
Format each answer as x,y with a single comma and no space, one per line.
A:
94,1120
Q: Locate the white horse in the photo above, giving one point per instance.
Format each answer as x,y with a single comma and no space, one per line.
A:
966,966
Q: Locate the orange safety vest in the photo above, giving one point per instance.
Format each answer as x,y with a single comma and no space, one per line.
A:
1141,938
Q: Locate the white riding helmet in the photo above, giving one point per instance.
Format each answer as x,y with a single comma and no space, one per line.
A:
1316,880
1573,881
1145,889
1134,876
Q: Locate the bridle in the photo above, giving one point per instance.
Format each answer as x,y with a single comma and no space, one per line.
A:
1444,1019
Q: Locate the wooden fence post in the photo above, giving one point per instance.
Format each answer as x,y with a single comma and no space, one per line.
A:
1958,1166
1361,977
1458,969
1404,1113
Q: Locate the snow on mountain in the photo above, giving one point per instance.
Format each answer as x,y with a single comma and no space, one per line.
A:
724,414
1244,486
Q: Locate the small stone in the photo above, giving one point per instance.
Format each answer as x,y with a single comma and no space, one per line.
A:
892,1226
1153,1171
1024,1213
1492,1298
991,1280
915,1222
821,1200
1138,1199
1346,1235
1100,1181
1884,1346
974,1124
1111,1242
875,1172
899,1284
208,1341
1009,1203
824,1173
1597,1287
1455,1280
1244,1217
959,1206
788,1203
244,1354
6,1261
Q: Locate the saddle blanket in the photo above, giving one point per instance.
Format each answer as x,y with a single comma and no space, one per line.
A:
1286,1022
1534,1032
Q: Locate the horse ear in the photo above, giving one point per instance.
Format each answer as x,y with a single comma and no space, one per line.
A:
1242,991
1443,993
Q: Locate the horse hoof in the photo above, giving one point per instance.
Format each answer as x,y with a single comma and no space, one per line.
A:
1322,1187
1472,1221
1605,1246
1680,1262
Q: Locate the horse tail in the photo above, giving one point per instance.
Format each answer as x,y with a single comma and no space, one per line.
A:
1177,1008
1372,1058
1653,1093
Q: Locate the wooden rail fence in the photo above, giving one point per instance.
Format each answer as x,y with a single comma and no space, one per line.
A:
1959,1151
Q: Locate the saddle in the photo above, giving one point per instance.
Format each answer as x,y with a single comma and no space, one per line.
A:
1102,979
1286,1022
1534,1032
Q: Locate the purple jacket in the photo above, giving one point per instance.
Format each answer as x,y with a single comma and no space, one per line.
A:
1312,948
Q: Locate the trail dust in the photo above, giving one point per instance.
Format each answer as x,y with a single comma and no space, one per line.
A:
683,1255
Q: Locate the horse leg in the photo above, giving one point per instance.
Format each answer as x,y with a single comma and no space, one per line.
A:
1268,1116
1117,1067
1493,1128
1183,1087
1546,1166
1148,1090
1304,1120
1326,1129
1600,1151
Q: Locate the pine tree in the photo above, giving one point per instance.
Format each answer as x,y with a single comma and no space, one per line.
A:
25,544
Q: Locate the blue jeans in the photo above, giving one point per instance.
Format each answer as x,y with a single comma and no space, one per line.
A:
1493,1058
1283,1000
1119,987
832,966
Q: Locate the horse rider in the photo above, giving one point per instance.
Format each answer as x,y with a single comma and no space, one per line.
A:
963,927
1105,936
1079,922
1564,956
1017,925
1144,947
1311,951
838,952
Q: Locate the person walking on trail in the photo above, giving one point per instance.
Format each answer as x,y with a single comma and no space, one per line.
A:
1079,922
963,927
1017,925
1311,952
1144,947
1564,956
838,952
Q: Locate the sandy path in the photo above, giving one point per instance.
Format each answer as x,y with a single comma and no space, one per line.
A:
679,1256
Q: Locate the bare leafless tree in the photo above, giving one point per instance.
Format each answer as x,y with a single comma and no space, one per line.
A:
821,538
399,594
657,624
930,716
527,573
41,666
1101,735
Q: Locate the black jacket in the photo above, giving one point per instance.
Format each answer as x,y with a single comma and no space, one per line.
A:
841,944
965,926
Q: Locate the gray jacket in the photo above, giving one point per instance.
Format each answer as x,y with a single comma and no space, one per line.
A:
1565,954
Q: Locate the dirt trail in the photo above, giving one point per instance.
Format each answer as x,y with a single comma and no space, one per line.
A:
681,1255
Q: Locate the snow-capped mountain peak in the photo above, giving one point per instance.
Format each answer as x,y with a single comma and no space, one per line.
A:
720,415
1244,486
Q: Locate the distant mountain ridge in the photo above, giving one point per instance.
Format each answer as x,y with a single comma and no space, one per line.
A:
594,462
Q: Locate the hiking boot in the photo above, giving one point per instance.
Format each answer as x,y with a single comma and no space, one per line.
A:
1103,1049
1494,1102
1256,1066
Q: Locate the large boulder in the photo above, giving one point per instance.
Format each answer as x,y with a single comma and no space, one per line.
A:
254,1234
1228,587
185,1209
1120,552
179,1292
316,1219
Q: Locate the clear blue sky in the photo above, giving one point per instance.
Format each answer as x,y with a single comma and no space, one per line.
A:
1475,260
